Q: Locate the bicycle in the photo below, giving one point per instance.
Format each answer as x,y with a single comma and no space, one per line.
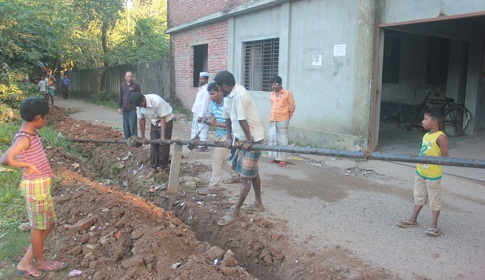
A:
456,116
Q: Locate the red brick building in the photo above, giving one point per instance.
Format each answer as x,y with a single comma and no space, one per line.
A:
350,64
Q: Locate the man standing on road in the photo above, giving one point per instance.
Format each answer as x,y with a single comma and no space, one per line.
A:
153,107
125,107
282,109
200,111
218,154
65,86
242,120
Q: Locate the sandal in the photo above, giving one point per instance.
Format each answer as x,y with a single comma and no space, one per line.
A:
31,274
54,266
228,219
433,232
406,224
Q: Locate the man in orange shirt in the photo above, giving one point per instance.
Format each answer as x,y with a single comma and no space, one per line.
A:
282,109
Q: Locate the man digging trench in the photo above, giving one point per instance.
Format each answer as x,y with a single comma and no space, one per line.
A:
159,112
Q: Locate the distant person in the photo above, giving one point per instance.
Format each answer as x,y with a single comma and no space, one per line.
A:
42,85
126,108
200,111
153,107
65,86
26,152
282,109
242,120
51,88
427,181
218,154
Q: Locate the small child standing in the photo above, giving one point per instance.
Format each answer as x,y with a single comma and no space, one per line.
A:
427,181
26,152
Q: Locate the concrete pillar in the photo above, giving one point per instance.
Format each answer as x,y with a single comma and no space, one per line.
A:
284,54
457,67
472,100
364,68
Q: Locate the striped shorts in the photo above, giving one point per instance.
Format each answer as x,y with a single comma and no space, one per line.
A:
38,201
246,163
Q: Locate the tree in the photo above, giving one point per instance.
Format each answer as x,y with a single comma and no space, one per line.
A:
31,33
101,15
67,34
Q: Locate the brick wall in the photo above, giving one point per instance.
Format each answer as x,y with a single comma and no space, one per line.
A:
182,11
215,36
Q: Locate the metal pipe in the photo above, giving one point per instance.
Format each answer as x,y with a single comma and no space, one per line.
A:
474,163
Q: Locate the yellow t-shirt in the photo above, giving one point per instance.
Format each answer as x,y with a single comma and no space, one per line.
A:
430,148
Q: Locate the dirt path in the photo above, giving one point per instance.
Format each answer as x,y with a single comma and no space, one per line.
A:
339,214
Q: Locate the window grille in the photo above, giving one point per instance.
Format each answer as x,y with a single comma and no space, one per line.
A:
260,63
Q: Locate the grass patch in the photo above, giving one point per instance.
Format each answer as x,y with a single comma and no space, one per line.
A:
12,244
12,208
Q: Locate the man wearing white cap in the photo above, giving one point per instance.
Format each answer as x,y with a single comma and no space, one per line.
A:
200,111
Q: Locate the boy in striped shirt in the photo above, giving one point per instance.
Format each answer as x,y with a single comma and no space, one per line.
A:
26,152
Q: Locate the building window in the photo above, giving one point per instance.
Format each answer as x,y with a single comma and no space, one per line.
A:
260,63
392,59
200,62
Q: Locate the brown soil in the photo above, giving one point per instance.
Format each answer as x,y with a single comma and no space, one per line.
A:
115,223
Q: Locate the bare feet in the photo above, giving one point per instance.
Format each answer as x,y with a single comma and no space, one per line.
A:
153,172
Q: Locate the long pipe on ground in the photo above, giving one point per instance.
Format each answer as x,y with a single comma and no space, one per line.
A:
474,163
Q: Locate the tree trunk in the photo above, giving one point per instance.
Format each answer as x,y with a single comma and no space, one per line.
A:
100,79
102,71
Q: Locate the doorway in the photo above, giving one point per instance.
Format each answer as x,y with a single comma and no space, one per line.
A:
422,56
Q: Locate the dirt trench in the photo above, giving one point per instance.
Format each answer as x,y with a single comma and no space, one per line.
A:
132,229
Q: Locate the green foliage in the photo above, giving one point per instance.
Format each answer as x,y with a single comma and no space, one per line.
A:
148,42
12,92
6,135
31,32
12,243
11,204
60,35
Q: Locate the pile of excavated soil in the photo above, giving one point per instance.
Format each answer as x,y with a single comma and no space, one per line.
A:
115,223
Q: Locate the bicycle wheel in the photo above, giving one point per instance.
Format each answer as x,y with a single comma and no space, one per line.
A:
456,120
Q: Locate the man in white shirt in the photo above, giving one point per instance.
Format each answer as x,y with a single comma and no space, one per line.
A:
43,89
159,112
242,120
200,111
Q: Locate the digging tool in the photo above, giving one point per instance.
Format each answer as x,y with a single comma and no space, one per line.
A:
196,138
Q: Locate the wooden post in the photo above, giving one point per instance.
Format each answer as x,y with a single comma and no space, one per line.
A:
173,178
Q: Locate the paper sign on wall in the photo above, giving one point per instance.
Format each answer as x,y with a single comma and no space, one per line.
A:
317,60
339,50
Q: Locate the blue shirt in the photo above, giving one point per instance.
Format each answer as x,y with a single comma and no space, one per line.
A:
65,81
217,111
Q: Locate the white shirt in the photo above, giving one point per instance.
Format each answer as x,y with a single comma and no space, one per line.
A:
42,86
202,102
239,105
155,109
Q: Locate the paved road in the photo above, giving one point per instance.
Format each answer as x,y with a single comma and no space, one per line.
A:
358,213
